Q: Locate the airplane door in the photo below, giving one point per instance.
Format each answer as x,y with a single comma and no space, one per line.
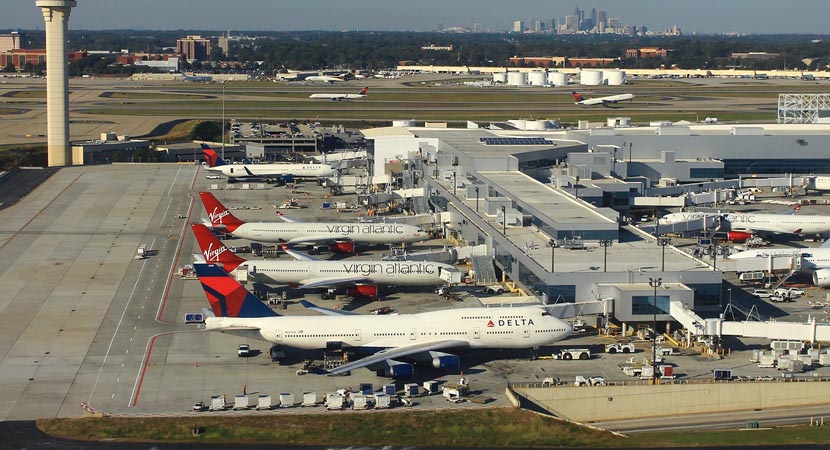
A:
278,336
477,333
526,333
357,335
412,334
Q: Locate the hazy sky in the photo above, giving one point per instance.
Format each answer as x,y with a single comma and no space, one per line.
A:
705,16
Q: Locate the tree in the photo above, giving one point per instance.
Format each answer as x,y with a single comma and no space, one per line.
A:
207,131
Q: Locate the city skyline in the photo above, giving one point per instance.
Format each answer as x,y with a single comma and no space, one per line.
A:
740,16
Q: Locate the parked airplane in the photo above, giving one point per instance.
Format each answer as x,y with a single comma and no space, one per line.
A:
392,342
341,236
249,171
766,223
604,101
813,260
324,79
338,97
197,78
362,277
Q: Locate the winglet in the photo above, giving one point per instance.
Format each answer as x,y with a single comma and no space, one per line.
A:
213,250
284,217
227,297
218,214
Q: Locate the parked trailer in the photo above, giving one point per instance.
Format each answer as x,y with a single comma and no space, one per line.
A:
286,400
573,353
309,399
334,400
263,402
240,402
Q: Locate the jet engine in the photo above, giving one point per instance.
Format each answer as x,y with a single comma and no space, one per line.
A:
364,290
342,247
738,237
821,278
447,362
398,371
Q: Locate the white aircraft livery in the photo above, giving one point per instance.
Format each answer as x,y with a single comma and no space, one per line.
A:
336,97
393,342
604,101
341,236
769,223
813,260
308,273
263,171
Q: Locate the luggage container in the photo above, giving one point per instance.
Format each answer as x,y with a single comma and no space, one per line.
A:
824,359
286,400
411,390
722,374
431,387
366,389
240,402
360,401
309,399
263,402
807,360
389,389
334,400
756,356
767,360
814,354
217,402
382,401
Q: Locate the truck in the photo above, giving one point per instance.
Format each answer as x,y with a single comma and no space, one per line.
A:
580,380
618,347
573,353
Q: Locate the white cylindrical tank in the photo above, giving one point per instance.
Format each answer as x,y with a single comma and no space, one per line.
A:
403,123
520,124
536,125
537,78
557,79
590,77
500,77
613,77
516,78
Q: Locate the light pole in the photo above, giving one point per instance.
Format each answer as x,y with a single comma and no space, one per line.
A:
503,220
576,188
454,185
655,283
476,198
614,163
730,295
605,243
663,242
552,243
223,119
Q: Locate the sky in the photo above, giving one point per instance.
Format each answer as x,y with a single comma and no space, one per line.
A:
702,16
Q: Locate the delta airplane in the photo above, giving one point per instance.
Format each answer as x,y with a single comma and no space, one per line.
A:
341,236
392,342
604,101
813,260
324,79
747,222
263,171
362,277
338,97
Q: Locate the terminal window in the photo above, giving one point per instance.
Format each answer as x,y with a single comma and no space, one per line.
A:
643,304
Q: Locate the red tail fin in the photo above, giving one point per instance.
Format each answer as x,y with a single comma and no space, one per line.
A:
218,214
364,91
227,297
211,157
577,96
214,250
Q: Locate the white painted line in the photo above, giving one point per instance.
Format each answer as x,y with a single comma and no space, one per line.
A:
112,396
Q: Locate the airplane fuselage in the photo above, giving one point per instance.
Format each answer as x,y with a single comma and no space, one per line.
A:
784,223
364,233
519,327
811,258
399,273
243,171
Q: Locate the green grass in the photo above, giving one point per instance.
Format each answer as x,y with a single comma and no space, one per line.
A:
26,94
495,427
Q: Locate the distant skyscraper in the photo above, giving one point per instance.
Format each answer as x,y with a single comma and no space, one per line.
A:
518,26
10,42
552,24
602,18
193,47
571,23
538,25
224,44
615,23
477,27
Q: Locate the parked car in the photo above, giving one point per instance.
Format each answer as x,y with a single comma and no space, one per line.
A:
243,351
762,293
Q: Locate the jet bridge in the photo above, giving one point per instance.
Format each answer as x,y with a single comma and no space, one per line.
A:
684,227
771,329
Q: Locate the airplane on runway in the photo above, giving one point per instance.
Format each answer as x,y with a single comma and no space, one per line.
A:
750,223
324,79
393,342
263,171
813,260
340,236
604,101
361,277
197,78
337,97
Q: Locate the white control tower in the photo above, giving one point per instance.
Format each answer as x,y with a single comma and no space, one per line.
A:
56,16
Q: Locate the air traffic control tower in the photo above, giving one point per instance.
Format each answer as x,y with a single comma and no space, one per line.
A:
56,16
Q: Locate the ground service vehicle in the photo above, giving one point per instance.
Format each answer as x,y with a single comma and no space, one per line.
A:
243,351
573,353
618,347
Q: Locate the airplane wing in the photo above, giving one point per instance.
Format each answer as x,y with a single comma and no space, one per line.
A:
770,229
299,256
285,218
312,283
313,240
328,311
399,352
826,244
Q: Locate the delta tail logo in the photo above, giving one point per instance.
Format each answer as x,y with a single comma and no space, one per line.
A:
216,217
